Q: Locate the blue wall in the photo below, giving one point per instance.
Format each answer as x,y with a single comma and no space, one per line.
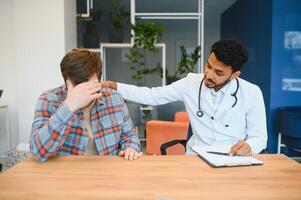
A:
261,25
285,61
251,22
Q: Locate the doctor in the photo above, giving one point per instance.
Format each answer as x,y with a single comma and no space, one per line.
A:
223,109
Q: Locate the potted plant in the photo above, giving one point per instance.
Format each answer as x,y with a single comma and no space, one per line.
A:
145,37
186,64
117,17
91,36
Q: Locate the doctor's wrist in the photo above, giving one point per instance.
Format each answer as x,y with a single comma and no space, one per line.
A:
109,84
113,85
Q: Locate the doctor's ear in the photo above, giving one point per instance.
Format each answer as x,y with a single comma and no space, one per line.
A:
235,75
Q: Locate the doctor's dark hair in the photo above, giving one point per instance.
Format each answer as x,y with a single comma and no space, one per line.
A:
230,52
79,65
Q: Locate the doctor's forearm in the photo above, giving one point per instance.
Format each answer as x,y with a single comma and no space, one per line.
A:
136,94
122,89
144,95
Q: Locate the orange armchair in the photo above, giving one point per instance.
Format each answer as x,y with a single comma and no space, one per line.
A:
159,132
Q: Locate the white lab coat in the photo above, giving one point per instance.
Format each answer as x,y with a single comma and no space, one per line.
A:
245,121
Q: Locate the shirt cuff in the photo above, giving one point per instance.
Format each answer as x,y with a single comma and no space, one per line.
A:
256,146
134,146
119,87
63,113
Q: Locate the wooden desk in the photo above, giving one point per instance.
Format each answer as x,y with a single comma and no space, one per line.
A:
151,177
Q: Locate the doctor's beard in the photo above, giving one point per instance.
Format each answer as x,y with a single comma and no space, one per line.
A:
216,86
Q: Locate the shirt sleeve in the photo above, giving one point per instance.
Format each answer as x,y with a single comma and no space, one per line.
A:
256,124
48,129
129,134
153,96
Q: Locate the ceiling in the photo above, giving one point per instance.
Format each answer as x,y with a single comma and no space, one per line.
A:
217,6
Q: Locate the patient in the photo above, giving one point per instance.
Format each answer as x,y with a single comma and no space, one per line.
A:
80,117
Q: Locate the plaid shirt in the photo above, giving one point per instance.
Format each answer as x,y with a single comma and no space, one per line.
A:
57,130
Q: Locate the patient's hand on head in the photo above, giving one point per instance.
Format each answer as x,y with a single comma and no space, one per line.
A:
82,94
109,84
130,154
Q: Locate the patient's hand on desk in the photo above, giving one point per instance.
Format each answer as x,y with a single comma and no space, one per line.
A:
241,148
109,84
130,154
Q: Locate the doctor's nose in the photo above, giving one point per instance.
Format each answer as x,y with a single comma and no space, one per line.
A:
209,74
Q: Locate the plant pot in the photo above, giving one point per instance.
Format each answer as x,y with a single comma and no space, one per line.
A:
170,80
91,40
116,35
145,113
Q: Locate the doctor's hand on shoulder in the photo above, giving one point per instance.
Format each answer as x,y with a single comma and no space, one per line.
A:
109,84
241,148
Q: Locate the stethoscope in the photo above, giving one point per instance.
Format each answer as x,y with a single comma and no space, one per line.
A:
200,112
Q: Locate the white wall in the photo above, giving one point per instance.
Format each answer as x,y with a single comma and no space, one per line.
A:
8,67
38,42
70,25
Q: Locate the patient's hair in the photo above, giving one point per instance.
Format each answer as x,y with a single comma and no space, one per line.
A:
79,65
230,52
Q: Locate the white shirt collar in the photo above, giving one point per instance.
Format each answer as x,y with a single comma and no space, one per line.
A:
223,90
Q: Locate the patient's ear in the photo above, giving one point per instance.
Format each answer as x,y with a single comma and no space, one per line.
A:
69,84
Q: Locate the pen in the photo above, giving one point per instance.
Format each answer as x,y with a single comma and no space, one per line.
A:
219,153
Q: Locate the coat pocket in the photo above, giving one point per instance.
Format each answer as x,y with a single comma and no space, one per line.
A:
234,124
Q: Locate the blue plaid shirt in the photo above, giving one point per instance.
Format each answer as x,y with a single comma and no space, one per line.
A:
57,130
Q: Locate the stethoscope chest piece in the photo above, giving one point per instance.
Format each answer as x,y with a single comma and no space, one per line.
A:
200,113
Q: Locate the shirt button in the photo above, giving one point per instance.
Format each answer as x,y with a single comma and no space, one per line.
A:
84,148
212,117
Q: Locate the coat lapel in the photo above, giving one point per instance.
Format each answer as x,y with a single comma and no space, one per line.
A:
206,100
227,101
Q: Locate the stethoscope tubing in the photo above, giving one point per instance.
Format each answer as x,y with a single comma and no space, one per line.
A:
200,112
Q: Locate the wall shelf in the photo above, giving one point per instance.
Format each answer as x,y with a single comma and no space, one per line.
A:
168,16
199,16
160,15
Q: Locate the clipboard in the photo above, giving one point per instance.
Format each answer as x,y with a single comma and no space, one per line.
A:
215,160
